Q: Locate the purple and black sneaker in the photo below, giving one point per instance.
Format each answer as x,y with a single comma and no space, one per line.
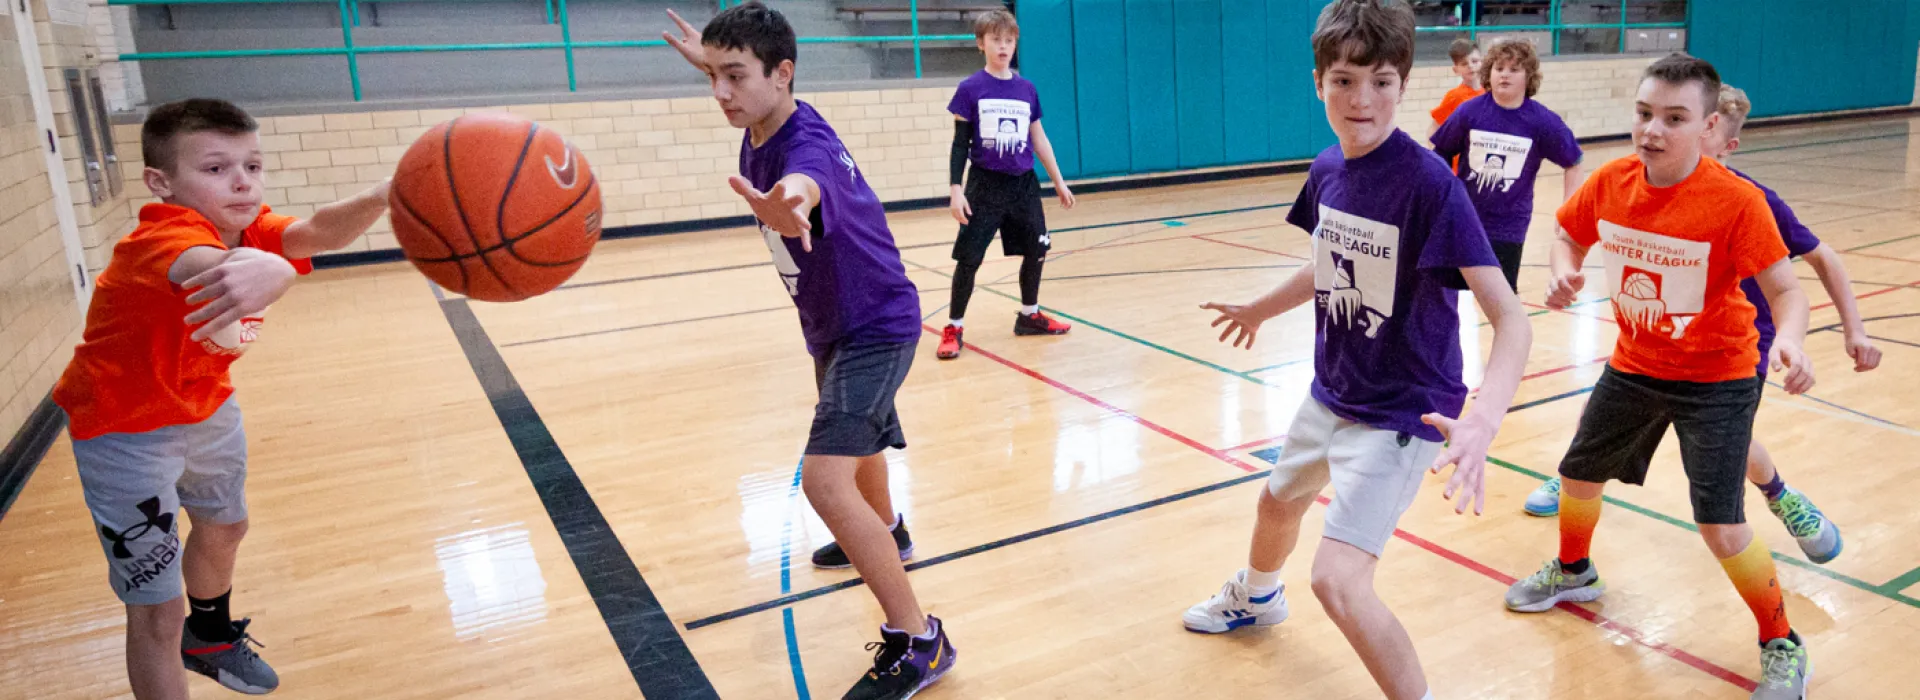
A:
904,665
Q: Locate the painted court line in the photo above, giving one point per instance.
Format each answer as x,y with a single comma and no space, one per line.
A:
1670,651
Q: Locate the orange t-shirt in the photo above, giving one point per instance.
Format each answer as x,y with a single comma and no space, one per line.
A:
136,369
1674,260
1452,101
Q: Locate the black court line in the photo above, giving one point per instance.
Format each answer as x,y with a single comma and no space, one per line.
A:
655,654
786,600
644,326
1138,273
1839,327
970,551
1907,343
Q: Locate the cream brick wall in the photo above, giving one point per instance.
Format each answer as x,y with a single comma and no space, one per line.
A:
657,160
39,322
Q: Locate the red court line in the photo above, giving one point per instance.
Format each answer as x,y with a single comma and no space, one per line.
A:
1203,236
1110,408
1469,563
1873,293
1263,442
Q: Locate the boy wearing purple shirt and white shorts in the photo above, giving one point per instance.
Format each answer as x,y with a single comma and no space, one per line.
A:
860,314
1394,234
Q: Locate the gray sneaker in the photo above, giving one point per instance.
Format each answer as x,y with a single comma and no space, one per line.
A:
1550,585
1819,538
1784,670
233,663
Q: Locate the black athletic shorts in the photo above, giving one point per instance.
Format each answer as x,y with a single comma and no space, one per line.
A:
855,416
1009,204
1509,256
1628,415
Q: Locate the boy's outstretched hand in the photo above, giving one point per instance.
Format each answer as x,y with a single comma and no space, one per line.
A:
243,284
1242,319
1466,449
781,209
688,43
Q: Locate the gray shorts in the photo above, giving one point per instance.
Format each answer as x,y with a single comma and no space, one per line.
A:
1375,473
136,483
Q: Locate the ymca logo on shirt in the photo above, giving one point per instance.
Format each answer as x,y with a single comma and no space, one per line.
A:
782,260
1002,125
1354,273
1496,160
1659,283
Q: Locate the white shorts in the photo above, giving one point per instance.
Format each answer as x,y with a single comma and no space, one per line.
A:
1375,473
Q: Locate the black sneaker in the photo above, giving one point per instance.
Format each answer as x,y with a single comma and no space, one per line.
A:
904,665
831,557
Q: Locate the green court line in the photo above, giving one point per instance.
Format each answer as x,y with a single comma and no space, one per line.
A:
1882,590
1096,326
1901,583
1885,591
1881,243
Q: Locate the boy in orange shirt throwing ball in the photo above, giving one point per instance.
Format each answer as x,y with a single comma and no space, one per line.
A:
148,400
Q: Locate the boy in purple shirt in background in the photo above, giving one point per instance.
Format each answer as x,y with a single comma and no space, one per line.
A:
860,314
1818,537
997,126
1503,136
1391,226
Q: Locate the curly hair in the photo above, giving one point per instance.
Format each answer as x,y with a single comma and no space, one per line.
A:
1520,53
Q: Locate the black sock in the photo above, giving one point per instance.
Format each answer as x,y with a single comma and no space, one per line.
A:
962,290
209,619
1030,280
1576,567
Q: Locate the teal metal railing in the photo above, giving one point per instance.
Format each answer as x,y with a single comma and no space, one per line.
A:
1471,24
556,13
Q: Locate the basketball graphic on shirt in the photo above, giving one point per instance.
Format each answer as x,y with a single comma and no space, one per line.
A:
234,338
1496,160
1003,125
1355,271
1659,282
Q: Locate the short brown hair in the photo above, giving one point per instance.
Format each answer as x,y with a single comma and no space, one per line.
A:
174,119
1365,33
1680,69
995,22
1519,52
1460,49
1734,107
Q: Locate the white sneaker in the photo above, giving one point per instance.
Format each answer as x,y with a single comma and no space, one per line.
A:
1233,608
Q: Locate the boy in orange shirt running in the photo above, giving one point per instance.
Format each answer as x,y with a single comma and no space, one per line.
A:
147,396
1677,231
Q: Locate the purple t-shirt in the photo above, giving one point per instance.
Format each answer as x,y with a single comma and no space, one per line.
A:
1502,150
1387,228
1800,241
1001,112
852,288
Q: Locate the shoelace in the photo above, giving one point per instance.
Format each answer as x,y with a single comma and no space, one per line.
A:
1779,667
1552,486
1803,520
1548,576
888,656
950,333
246,642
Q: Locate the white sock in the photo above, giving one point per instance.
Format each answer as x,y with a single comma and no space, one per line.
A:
1429,695
1030,310
1260,583
957,323
931,630
897,519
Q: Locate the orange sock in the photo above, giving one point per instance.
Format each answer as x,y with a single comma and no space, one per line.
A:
1578,517
1753,575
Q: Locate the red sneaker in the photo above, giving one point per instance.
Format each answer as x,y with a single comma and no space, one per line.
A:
1038,324
950,343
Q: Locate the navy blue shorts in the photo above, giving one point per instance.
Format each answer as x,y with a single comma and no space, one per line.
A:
855,416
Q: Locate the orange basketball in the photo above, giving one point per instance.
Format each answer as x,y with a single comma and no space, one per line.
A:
495,207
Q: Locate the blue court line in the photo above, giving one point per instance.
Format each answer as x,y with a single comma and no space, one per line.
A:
649,643
786,586
1288,363
1855,139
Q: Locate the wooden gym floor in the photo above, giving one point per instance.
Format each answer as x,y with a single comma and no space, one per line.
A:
636,525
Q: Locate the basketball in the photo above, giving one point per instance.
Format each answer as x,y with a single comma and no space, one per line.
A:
495,207
1640,285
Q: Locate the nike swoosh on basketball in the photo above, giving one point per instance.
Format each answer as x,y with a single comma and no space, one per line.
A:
565,175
